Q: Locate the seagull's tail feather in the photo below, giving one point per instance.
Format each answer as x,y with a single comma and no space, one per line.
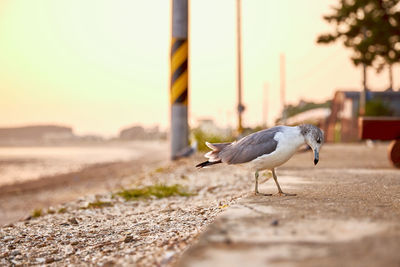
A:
207,163
216,148
212,156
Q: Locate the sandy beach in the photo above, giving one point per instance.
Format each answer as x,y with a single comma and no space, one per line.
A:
18,199
20,164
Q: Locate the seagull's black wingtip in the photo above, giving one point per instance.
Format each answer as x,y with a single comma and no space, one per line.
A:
207,163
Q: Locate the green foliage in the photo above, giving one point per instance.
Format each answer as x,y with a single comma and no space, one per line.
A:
50,211
159,169
62,210
292,110
258,128
377,107
98,204
37,213
371,28
158,191
202,137
248,130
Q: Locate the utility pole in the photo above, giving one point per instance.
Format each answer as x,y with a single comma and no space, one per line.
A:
363,93
282,85
179,77
240,106
265,105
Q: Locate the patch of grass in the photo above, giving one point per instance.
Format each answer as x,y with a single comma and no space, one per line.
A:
51,211
202,136
158,191
37,213
98,205
159,169
62,210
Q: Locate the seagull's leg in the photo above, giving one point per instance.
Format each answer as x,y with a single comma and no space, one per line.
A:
256,187
280,192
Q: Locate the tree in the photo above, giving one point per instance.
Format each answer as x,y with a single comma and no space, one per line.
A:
371,28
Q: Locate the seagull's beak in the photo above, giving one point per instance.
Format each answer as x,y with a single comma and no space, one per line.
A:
316,156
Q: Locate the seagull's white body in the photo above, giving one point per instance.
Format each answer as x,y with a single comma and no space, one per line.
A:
289,140
266,149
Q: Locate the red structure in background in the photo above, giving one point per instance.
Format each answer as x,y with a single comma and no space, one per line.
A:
342,124
379,128
383,128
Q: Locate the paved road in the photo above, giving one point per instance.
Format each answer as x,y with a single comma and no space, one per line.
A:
346,213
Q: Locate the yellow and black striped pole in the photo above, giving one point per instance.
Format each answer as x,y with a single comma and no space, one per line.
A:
179,78
179,71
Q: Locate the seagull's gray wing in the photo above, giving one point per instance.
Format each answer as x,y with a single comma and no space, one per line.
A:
250,147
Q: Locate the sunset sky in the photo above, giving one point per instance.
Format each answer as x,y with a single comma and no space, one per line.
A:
101,65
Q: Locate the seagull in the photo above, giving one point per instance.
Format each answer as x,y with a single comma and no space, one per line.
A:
266,150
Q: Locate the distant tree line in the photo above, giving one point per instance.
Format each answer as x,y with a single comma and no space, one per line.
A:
370,28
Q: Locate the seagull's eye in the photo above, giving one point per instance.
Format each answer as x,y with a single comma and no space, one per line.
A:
319,141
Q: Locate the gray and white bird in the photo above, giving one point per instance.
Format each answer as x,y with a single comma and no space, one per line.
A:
266,149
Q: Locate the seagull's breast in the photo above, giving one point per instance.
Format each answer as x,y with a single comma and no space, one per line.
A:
289,140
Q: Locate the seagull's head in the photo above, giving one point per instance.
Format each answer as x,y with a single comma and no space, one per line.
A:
314,137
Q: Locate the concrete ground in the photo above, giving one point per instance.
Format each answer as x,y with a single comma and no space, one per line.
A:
346,213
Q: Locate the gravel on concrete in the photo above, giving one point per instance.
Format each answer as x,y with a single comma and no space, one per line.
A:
142,232
353,188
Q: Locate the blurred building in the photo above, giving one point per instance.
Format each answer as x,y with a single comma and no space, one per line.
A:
138,132
342,124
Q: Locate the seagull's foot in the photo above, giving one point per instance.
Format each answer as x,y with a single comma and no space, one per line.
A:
286,194
262,194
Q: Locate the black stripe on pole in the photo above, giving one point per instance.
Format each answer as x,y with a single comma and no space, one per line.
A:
179,71
176,45
179,74
182,98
